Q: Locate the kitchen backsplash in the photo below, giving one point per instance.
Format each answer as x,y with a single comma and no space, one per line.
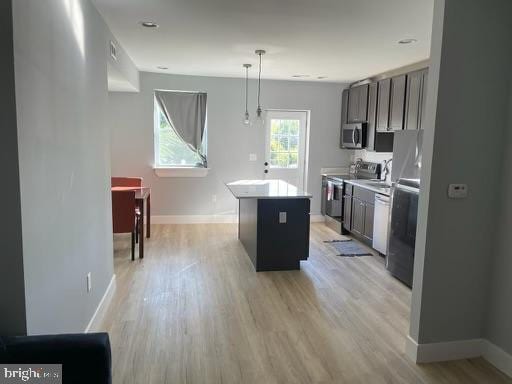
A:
375,157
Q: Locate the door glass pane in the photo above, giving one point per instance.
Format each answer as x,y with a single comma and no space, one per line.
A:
293,161
294,127
294,144
284,143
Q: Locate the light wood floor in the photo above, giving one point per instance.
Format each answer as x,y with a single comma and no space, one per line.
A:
195,311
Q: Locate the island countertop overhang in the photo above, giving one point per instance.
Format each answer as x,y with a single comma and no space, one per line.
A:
266,189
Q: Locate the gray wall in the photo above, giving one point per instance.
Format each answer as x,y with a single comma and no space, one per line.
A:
463,144
229,142
64,152
499,316
12,292
123,75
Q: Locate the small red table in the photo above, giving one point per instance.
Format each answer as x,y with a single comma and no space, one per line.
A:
142,194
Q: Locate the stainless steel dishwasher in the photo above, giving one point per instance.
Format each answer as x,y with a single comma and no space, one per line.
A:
381,223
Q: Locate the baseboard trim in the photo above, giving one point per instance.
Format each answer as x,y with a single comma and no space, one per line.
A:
317,218
497,357
451,350
194,219
102,306
210,219
459,350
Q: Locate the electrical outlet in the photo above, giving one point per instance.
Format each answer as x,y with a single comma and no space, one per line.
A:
457,191
253,157
282,217
214,198
89,282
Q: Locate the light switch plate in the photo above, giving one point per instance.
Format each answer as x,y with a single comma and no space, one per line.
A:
253,157
457,191
282,217
89,282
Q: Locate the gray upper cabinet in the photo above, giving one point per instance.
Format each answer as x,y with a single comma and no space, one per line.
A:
372,116
363,103
358,104
415,99
344,107
344,113
424,87
353,105
397,103
384,89
391,104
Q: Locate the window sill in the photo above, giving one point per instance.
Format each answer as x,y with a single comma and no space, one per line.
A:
181,171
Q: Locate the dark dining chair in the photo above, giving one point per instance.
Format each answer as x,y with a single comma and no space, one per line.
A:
125,215
135,182
126,181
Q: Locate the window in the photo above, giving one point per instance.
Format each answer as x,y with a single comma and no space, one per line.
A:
180,133
284,143
171,150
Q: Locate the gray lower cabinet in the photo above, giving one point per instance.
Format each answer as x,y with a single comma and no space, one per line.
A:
357,216
369,210
358,213
347,212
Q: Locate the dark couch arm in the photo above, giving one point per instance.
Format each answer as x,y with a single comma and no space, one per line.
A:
85,358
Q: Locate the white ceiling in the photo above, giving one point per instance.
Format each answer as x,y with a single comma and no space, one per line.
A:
345,40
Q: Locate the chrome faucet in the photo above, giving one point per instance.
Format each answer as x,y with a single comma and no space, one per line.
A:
387,171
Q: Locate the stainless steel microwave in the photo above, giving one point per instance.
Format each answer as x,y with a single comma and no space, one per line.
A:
354,135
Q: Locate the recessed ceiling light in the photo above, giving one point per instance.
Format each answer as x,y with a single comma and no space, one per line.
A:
321,77
300,76
149,24
407,41
162,67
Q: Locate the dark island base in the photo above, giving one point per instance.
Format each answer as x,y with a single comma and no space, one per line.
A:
271,245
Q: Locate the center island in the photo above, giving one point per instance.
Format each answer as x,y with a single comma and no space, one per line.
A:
273,223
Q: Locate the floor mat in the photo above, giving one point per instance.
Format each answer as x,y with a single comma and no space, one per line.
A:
349,248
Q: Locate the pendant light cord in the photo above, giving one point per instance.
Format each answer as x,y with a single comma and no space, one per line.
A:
246,89
259,82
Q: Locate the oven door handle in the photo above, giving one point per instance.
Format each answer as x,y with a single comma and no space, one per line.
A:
330,191
338,192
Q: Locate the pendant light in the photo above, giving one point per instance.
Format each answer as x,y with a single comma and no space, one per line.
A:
259,111
247,120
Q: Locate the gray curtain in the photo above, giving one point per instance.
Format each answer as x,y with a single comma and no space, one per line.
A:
186,114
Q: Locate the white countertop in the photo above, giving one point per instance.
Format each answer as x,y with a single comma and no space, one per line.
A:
334,171
265,189
370,185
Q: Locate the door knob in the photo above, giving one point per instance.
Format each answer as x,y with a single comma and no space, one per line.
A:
266,164
266,171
